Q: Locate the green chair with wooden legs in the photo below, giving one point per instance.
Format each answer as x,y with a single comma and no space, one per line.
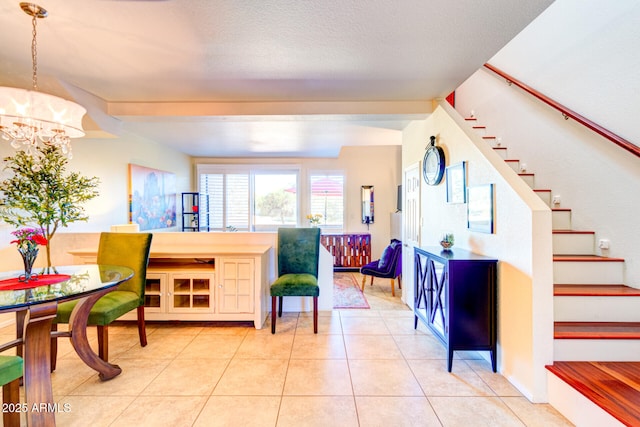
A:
124,249
298,253
10,374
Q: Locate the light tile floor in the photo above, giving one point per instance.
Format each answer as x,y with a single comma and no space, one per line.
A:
363,368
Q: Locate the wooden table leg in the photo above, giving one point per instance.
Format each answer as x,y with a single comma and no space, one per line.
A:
78,331
20,316
37,365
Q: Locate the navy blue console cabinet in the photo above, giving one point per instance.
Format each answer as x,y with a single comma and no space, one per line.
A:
455,296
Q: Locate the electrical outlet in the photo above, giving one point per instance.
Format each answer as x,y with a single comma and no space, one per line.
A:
603,244
556,200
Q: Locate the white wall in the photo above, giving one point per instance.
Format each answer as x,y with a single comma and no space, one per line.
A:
584,54
107,159
521,243
598,180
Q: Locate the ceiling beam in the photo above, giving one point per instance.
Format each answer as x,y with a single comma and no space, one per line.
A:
200,109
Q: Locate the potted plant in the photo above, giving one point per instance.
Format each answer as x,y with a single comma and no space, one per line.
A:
447,241
27,241
314,219
41,192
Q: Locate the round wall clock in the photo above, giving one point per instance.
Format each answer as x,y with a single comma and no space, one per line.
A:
433,164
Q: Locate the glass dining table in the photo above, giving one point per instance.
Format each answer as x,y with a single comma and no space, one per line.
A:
35,304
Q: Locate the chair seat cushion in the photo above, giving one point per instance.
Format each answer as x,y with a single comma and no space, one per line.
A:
295,285
10,369
106,309
372,269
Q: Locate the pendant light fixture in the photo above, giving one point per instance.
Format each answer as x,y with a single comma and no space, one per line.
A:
29,117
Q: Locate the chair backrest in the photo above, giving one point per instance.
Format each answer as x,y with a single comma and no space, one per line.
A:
129,250
391,258
298,250
398,257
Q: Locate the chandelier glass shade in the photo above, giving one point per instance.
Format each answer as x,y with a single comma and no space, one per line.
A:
29,117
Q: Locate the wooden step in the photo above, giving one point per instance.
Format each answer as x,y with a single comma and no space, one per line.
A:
502,151
573,242
595,303
585,258
587,269
513,164
528,178
561,218
478,126
597,330
612,386
489,137
470,119
595,290
544,194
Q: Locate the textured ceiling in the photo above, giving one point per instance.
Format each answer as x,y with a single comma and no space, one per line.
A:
261,77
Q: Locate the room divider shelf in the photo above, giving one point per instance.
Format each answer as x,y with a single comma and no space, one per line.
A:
350,250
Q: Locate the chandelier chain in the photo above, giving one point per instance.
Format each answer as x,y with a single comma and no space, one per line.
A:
28,118
34,52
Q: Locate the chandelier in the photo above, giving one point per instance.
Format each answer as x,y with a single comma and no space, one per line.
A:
28,117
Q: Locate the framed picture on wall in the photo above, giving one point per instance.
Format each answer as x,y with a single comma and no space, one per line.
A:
456,177
480,212
152,198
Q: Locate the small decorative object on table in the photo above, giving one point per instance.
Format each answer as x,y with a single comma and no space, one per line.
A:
447,241
314,219
28,240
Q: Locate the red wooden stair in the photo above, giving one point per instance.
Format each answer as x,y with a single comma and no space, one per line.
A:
613,386
597,330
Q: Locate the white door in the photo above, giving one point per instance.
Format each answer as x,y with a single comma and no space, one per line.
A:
411,228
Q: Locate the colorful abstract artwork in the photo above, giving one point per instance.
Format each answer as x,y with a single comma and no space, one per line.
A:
152,198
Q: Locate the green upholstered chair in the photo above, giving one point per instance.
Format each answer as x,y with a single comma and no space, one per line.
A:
10,374
298,252
125,249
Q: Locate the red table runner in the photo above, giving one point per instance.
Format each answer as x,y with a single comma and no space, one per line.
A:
15,284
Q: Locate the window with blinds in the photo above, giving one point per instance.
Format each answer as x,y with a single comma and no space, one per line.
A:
228,198
242,199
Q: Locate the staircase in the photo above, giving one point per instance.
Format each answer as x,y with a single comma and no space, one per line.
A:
596,318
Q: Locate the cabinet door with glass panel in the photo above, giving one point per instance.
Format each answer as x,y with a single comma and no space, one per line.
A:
191,292
154,302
